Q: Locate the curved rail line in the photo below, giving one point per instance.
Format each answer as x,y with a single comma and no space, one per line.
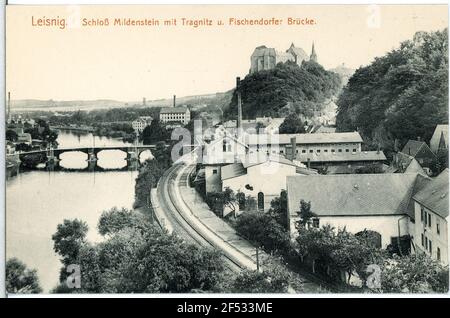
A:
180,223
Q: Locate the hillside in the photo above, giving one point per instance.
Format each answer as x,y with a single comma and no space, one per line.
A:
196,101
402,95
286,88
36,103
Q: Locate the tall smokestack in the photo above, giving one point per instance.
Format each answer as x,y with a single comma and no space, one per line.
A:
238,89
143,101
174,100
9,106
294,148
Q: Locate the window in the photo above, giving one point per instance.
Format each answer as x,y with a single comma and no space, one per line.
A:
303,151
339,150
296,151
354,149
422,213
326,150
423,240
438,254
332,150
281,151
347,150
316,223
429,220
261,201
438,227
311,151
318,150
430,247
426,242
214,171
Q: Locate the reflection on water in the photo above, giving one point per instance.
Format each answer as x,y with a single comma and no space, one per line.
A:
36,201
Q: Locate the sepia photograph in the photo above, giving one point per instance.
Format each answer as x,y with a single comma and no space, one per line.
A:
226,149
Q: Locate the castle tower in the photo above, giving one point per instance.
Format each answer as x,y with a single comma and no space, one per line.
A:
313,56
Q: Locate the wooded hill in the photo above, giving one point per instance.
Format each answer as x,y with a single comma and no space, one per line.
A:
402,95
286,88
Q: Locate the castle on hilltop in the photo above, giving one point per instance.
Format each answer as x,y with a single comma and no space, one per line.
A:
265,58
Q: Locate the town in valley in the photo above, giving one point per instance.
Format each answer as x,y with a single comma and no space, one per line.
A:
299,179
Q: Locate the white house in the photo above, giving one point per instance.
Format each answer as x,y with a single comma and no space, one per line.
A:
142,122
260,176
220,152
358,202
431,218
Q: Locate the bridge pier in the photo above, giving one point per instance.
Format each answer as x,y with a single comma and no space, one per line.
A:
131,155
92,157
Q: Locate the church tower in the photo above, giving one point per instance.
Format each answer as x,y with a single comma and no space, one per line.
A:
313,56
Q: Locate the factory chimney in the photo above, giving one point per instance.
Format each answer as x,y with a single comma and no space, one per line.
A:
238,90
294,148
174,100
143,101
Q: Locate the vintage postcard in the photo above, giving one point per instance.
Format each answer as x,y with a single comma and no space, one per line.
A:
268,149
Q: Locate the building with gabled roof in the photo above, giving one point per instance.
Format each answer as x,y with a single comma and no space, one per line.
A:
420,151
342,162
261,176
439,140
358,202
431,210
218,153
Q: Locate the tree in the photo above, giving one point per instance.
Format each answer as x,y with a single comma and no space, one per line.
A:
416,273
274,279
217,201
147,179
270,92
68,239
11,135
292,125
162,154
138,257
263,230
305,214
154,133
401,95
278,209
21,280
115,220
23,147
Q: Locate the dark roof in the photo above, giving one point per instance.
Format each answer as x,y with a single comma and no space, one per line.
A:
318,138
434,196
352,194
173,110
342,156
232,171
413,147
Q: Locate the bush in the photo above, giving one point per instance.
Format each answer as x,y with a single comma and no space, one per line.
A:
262,229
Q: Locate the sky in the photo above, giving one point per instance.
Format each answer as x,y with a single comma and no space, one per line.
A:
128,63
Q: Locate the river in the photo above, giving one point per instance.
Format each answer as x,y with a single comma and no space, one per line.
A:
37,201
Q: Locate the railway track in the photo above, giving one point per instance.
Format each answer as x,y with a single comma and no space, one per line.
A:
183,226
